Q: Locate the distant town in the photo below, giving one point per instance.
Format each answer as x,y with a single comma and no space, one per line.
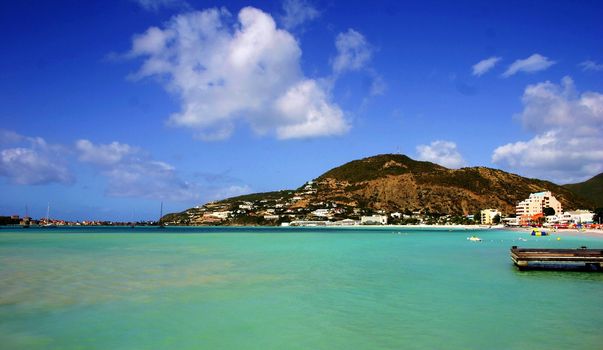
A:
26,221
540,209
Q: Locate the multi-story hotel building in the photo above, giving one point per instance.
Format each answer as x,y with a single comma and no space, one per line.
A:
527,209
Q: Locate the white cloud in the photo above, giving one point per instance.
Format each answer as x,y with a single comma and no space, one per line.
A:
534,63
103,154
129,170
148,179
155,5
485,65
225,73
9,136
131,173
444,153
33,161
353,51
297,12
378,85
568,145
228,192
304,105
589,65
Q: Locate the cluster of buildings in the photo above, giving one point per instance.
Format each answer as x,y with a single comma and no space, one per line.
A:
542,209
27,221
294,209
302,207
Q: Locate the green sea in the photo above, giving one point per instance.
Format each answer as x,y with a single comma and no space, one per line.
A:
289,288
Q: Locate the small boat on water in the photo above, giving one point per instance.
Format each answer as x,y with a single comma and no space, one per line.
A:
474,239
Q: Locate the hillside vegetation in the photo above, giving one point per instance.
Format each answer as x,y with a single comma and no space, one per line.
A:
591,190
389,183
396,182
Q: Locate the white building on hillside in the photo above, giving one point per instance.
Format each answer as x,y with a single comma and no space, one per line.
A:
321,212
223,215
487,215
572,217
374,220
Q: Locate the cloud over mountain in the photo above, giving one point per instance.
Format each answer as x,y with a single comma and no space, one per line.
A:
441,152
568,146
226,71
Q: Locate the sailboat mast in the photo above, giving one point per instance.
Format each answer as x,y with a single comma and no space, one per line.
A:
161,225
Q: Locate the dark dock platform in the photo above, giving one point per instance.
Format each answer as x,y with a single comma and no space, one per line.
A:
581,259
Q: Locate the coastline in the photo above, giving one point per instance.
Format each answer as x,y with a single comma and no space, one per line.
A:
563,232
442,227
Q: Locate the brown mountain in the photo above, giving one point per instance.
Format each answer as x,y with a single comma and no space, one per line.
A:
591,189
396,182
389,182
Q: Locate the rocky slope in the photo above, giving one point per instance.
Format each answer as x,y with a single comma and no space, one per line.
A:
396,183
389,183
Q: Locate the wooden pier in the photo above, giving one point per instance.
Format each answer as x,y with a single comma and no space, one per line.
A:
558,259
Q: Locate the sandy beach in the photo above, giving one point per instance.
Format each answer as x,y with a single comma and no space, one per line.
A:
565,232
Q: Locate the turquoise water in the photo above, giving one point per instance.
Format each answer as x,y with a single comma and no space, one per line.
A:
273,288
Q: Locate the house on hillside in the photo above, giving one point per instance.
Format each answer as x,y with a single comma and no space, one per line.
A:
374,220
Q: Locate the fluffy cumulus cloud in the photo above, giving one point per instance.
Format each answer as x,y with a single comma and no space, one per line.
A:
568,127
485,65
297,12
132,173
589,65
353,51
305,103
534,63
225,71
32,160
444,153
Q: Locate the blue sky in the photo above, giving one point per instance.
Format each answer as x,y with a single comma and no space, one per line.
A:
109,108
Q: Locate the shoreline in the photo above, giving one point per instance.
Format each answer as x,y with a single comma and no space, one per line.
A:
562,232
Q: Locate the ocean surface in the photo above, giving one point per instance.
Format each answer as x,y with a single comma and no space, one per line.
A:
289,288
